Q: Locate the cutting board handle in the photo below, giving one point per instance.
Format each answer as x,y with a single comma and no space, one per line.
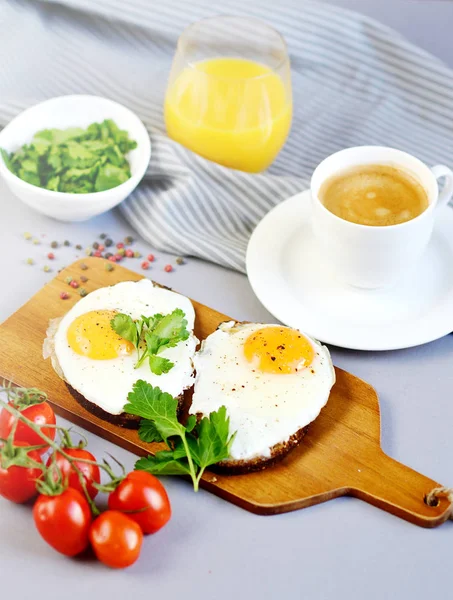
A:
398,489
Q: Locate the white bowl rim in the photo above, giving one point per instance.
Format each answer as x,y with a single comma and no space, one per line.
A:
69,196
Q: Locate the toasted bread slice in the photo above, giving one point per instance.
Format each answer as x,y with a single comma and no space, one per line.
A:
278,452
122,420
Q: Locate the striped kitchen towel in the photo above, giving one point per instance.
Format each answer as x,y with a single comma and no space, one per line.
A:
354,82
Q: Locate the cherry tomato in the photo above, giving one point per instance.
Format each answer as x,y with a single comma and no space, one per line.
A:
64,521
41,414
138,491
18,484
91,473
116,539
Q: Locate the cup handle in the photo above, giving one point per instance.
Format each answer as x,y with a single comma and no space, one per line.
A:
446,194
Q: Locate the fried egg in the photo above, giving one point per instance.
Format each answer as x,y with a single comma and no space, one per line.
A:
98,363
273,380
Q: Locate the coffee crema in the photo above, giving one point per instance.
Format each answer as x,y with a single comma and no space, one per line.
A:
376,195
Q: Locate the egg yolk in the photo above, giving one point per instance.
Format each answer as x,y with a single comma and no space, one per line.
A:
91,335
279,350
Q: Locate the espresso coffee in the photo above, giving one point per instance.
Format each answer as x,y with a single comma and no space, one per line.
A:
377,195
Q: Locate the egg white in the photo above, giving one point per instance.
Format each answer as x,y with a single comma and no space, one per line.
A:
264,408
107,383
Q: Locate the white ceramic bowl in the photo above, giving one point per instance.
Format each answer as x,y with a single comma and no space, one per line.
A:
74,111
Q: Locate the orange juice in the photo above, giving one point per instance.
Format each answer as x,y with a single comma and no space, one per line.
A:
233,111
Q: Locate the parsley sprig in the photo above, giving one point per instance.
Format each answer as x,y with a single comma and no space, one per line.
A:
152,335
191,448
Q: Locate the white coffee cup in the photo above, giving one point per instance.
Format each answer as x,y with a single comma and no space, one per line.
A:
368,256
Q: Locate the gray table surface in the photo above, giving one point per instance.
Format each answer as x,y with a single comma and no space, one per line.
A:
212,549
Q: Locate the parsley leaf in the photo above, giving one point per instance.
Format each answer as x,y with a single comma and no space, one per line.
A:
159,364
163,463
151,403
125,326
192,448
153,335
148,432
212,443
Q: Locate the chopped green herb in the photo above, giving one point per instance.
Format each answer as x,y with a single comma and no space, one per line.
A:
153,335
74,160
192,448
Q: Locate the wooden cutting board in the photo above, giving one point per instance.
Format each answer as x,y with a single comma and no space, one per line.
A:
341,454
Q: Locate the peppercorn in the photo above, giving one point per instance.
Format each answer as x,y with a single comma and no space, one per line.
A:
54,245
179,260
64,295
129,253
109,266
137,254
145,265
151,257
95,245
108,242
66,243
30,261
168,268
83,279
129,240
103,236
83,266
46,268
68,280
27,235
83,292
78,247
51,256
74,284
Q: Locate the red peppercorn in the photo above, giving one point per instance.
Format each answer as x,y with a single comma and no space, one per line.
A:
112,258
120,245
101,248
145,265
151,257
64,295
130,253
51,256
118,257
74,284
98,253
168,268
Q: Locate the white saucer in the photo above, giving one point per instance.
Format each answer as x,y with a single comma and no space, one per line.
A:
295,285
